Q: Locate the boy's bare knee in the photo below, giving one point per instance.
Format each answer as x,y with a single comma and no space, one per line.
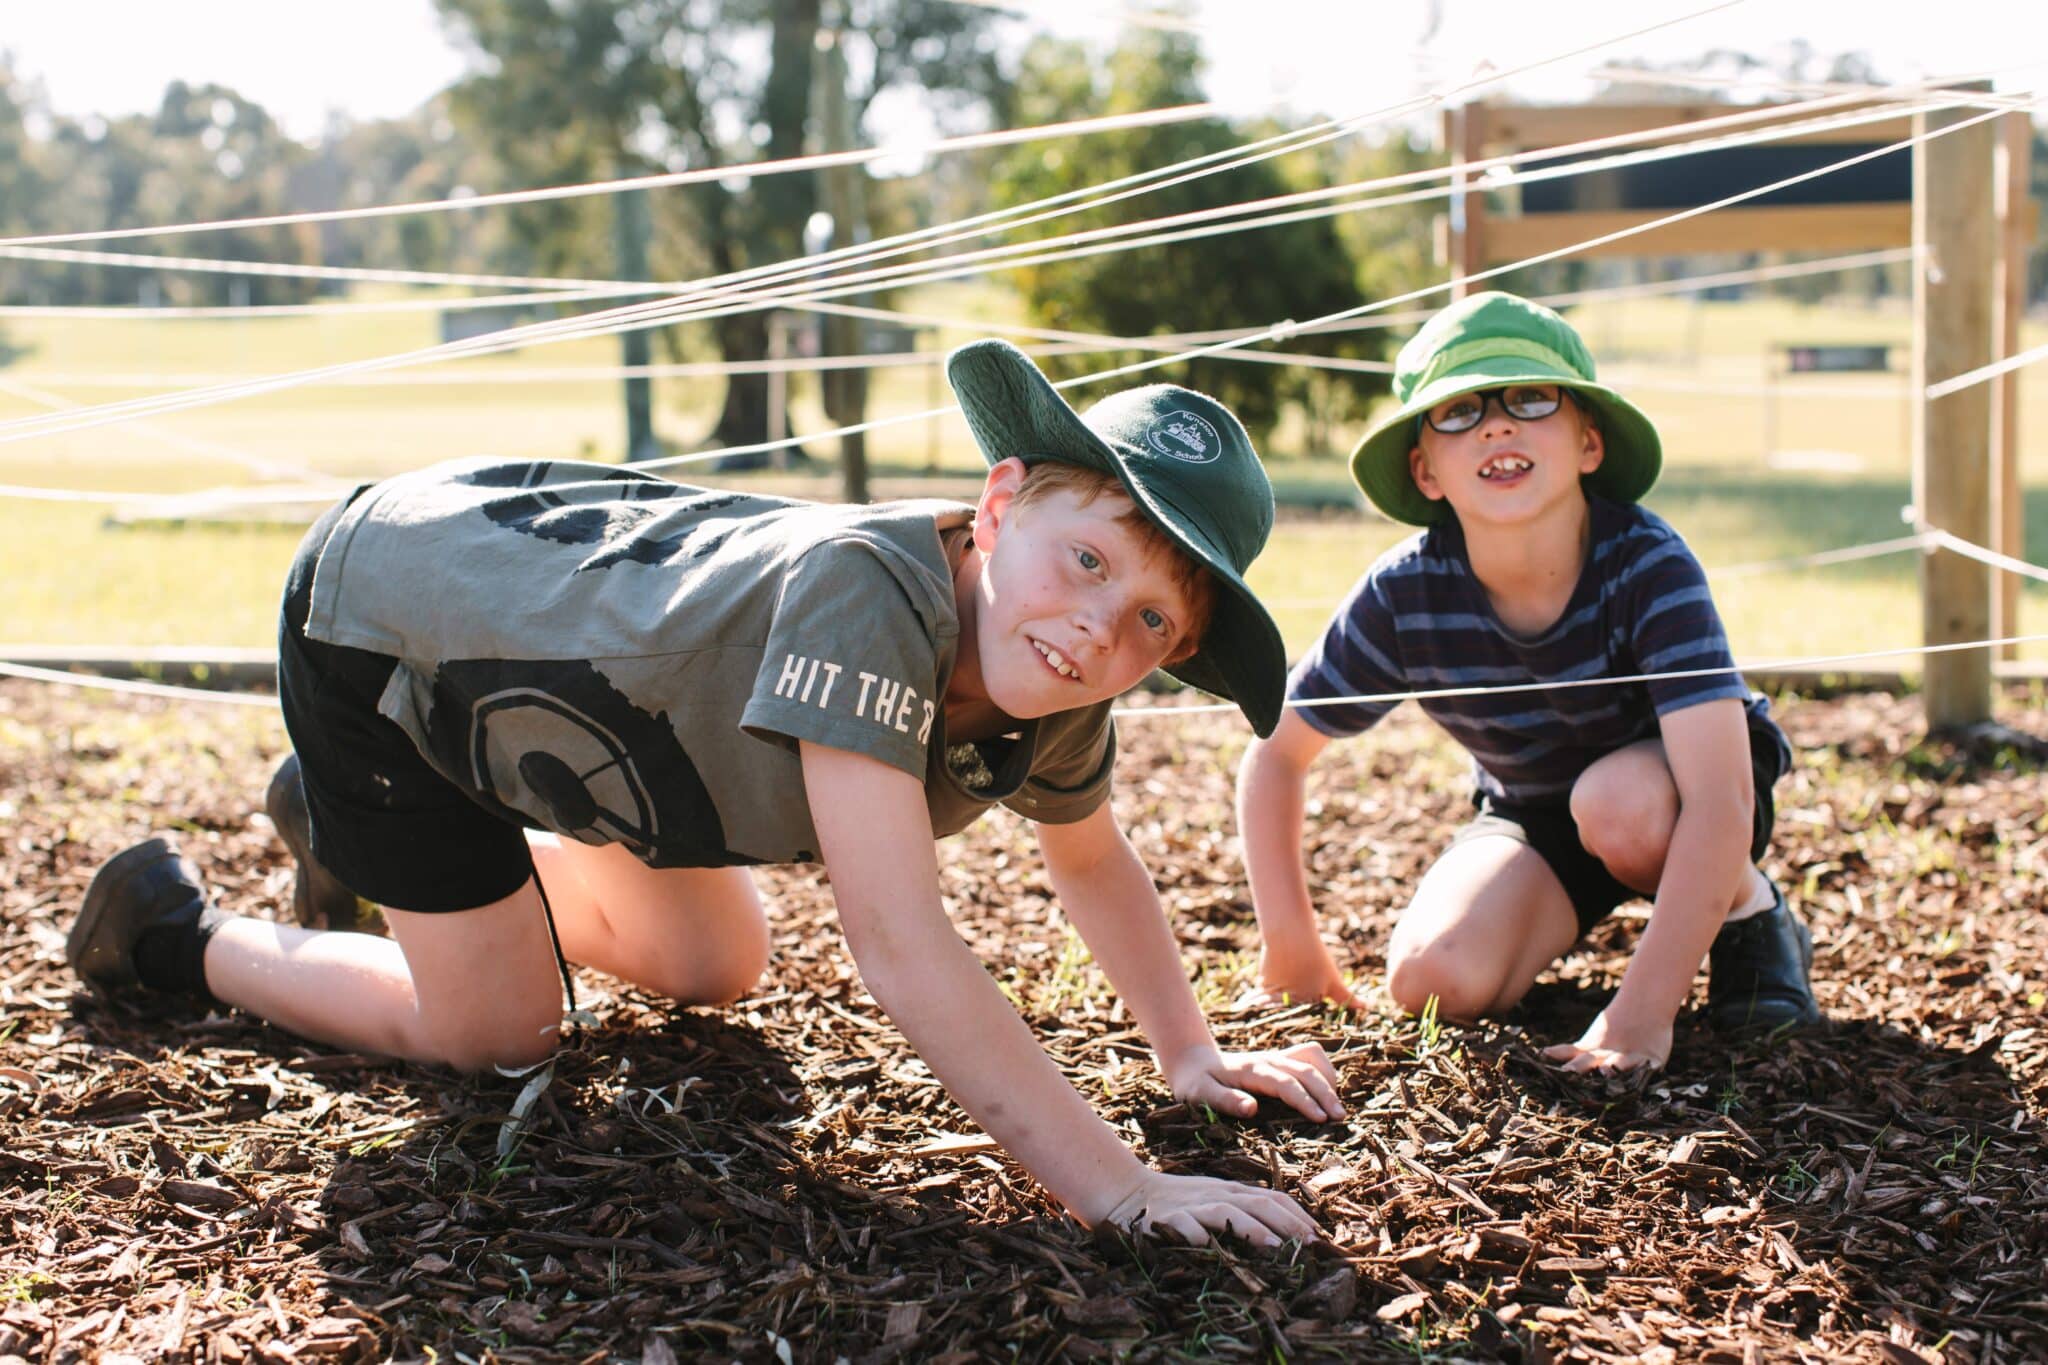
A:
1632,837
514,1041
728,982
507,1054
717,973
1431,972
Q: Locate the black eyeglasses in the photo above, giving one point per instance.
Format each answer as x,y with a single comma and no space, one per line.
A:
1523,402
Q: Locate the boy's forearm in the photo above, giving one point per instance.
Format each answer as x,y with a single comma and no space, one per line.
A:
875,832
1271,805
1701,873
967,1033
1111,902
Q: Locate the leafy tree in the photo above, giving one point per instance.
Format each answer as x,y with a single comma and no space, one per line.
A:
205,154
21,181
1393,248
418,157
569,90
210,154
1298,270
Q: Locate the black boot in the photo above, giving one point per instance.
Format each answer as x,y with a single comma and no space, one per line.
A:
318,900
1758,972
149,890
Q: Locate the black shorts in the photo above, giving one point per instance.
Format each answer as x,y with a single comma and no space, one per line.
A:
386,824
1548,828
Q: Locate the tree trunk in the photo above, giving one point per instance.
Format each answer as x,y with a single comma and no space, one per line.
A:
774,231
845,391
630,224
744,422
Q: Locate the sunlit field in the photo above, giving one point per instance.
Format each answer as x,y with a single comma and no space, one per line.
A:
1760,465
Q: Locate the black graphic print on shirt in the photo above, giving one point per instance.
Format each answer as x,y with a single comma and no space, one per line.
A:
553,744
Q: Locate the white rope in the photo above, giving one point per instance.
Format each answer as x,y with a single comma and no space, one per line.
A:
146,261
1984,372
663,312
703,369
355,274
134,687
628,319
115,412
1147,118
1697,131
667,312
1926,537
1286,329
1082,341
1984,556
1847,554
1097,241
1819,559
1433,694
1785,665
602,289
450,303
1263,149
256,464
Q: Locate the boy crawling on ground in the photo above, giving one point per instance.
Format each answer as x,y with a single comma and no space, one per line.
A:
1539,574
560,699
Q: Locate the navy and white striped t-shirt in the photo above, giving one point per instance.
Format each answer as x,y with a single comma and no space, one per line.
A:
1419,620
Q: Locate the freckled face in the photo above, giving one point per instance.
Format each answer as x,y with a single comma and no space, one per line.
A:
1508,469
1073,607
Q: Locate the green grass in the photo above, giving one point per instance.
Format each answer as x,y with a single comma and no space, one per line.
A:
77,577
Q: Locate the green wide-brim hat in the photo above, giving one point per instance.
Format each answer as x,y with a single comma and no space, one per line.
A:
1187,465
1482,342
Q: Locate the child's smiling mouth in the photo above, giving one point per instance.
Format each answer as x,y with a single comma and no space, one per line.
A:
1058,661
1505,467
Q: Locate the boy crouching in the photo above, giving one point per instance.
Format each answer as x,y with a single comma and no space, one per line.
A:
563,699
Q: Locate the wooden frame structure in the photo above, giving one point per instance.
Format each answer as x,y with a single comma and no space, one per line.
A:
1968,294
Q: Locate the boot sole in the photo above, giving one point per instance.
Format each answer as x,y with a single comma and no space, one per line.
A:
90,957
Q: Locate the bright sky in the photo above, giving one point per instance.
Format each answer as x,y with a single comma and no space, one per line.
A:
382,57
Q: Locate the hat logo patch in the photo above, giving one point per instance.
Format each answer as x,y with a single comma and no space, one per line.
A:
1182,435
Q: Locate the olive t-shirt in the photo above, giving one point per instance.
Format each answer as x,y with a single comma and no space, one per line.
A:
622,659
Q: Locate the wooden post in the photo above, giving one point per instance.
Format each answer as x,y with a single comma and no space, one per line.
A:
1465,139
1952,291
2008,503
842,189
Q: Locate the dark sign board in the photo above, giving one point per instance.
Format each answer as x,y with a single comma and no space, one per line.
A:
1815,359
1707,176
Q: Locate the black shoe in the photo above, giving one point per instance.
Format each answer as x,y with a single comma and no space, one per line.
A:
1758,972
148,886
318,900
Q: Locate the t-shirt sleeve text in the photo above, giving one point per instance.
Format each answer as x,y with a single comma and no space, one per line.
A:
885,701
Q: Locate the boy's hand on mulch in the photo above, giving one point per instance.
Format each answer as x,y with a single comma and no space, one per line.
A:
1192,1207
1282,984
1615,1045
1266,997
1229,1082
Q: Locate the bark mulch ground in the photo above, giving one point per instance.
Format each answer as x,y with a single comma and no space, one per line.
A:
785,1181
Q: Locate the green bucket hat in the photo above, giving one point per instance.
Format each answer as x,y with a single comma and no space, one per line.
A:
1187,465
1483,342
